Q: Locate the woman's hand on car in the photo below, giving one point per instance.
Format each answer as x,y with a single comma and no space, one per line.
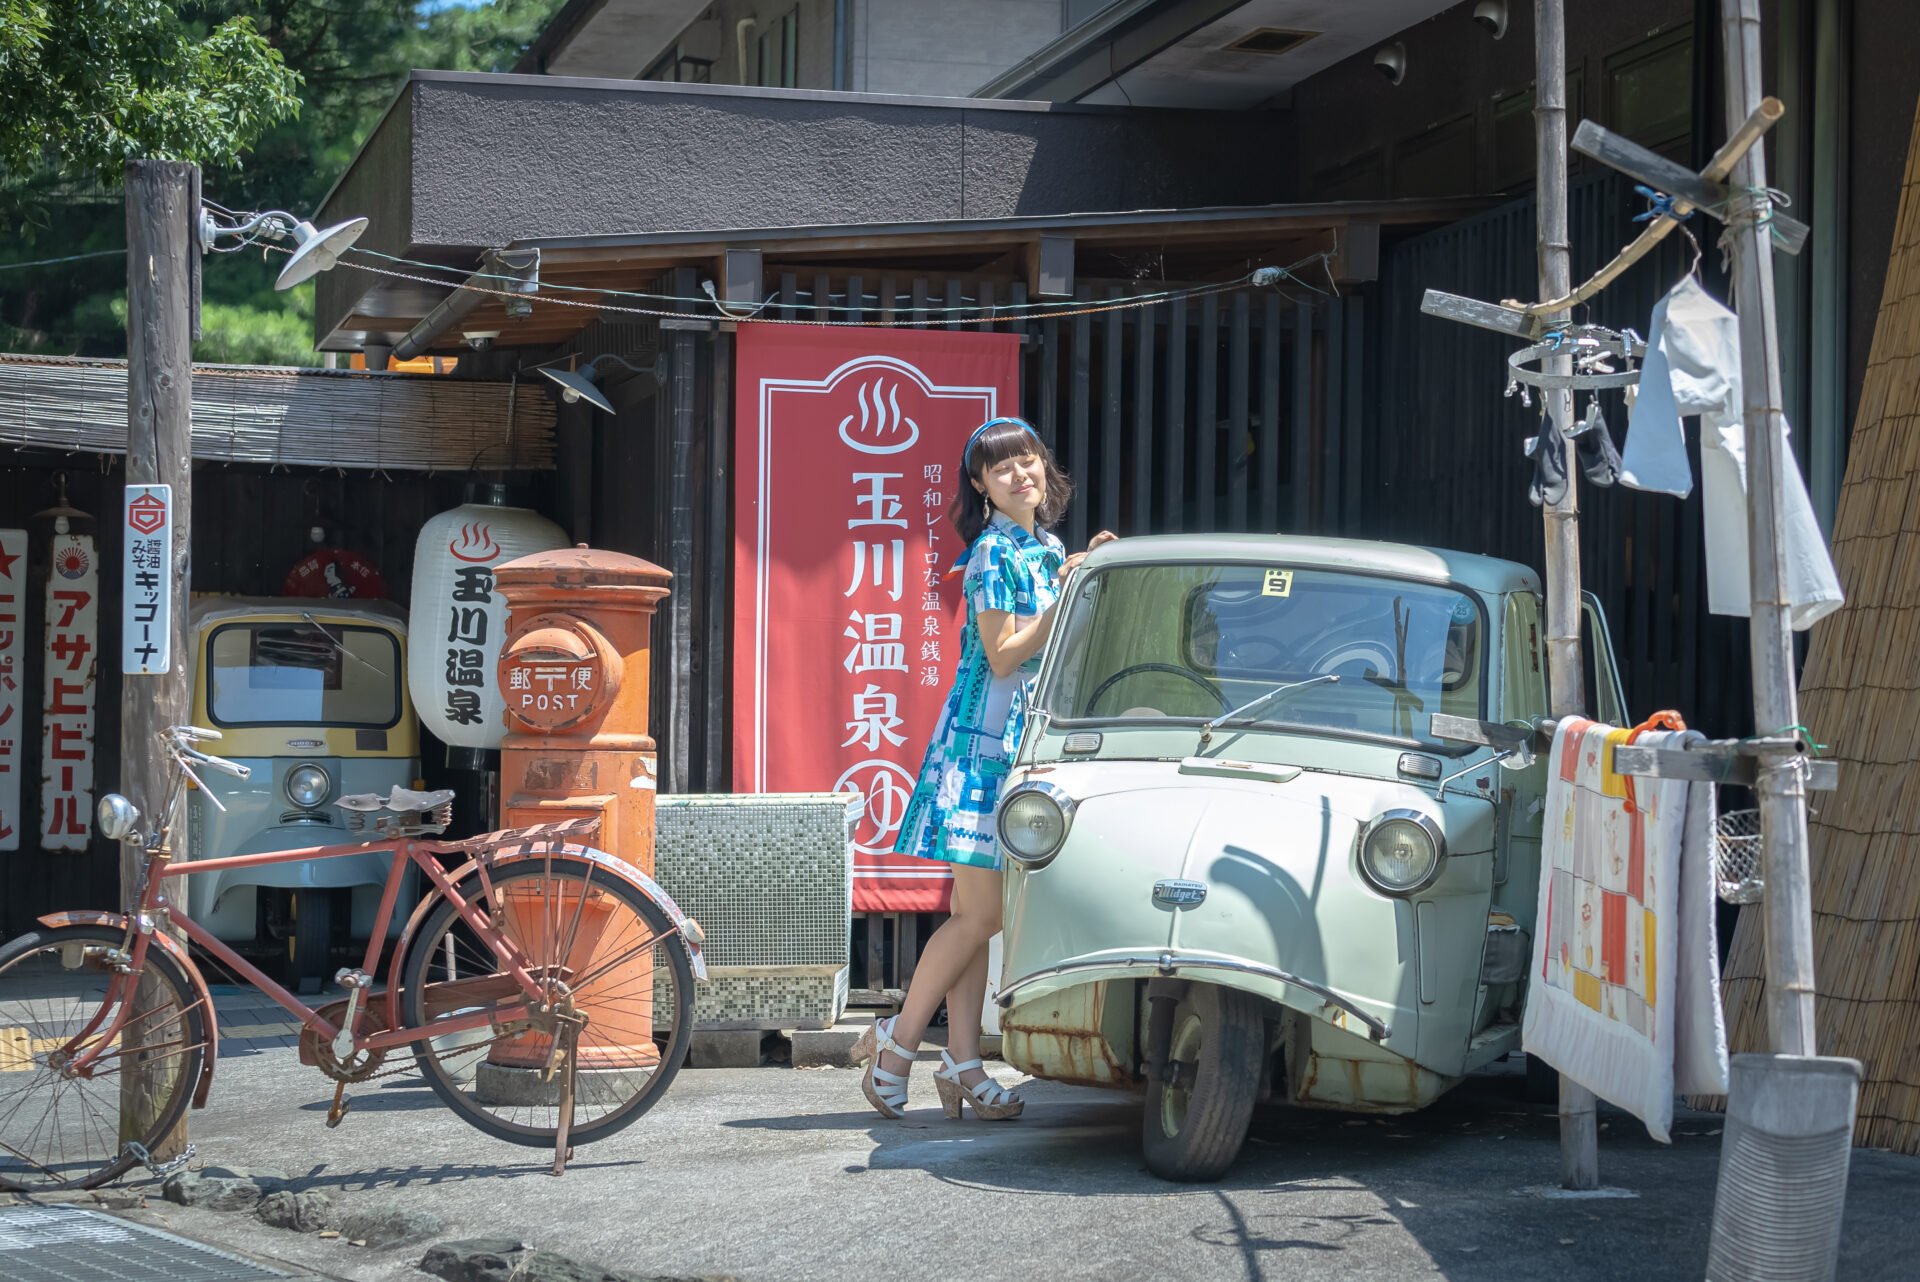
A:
1072,563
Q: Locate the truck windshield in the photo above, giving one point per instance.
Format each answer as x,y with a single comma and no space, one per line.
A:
1190,642
300,674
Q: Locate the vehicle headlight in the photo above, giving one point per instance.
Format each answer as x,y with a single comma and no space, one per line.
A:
1033,822
1401,852
117,816
308,785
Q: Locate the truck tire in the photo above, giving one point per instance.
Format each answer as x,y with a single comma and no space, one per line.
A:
1196,1123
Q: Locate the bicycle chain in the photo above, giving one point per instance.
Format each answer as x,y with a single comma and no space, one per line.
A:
412,1063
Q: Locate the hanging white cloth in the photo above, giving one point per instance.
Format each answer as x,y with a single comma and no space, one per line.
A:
1693,367
1625,990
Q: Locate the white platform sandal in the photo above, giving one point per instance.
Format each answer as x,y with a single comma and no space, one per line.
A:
991,1101
886,1091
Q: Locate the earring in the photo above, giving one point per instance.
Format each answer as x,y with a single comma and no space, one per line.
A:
986,508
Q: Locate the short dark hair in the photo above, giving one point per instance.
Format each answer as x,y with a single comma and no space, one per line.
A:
1008,438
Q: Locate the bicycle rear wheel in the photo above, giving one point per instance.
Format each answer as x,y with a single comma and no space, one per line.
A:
60,1130
588,936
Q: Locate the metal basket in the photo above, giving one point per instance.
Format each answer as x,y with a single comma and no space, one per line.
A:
1737,857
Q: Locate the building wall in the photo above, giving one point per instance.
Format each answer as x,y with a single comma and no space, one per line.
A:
943,47
1460,121
1884,87
922,47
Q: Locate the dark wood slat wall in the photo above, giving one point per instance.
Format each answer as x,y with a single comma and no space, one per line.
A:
250,527
1439,455
1179,416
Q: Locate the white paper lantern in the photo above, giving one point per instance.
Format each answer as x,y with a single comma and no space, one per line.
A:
458,619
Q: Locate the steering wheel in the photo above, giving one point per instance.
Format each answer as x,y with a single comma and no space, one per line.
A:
1173,668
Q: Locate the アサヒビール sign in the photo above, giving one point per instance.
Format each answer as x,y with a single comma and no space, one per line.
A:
846,635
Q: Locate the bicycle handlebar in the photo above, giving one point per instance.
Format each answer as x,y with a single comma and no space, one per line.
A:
177,739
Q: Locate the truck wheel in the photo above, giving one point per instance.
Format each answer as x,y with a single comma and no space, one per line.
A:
311,945
1198,1109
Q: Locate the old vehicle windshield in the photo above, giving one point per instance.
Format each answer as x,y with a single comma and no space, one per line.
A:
1192,642
279,674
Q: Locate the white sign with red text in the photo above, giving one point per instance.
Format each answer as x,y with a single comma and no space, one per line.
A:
146,620
13,599
67,718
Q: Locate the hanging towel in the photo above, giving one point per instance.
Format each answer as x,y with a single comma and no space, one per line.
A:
1693,367
1624,995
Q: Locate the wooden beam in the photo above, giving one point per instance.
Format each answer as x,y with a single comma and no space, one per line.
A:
1471,311
161,211
741,276
1675,179
1711,763
1050,267
1356,253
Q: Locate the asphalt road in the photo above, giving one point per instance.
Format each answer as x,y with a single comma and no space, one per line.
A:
773,1174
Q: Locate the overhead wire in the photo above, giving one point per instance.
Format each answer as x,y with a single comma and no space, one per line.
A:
979,314
70,258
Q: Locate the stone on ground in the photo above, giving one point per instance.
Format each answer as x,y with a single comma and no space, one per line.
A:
384,1226
309,1212
222,1188
511,1260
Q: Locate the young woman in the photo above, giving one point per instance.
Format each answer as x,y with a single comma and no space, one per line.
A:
1014,572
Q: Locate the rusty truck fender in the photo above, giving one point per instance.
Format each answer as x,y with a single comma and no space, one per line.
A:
173,949
496,859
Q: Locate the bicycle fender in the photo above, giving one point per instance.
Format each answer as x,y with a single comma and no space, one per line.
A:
691,936
177,951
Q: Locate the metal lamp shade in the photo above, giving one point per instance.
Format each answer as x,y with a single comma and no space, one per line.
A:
319,250
576,386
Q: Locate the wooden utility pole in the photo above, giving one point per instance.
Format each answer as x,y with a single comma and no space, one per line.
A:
1579,1137
1779,784
163,199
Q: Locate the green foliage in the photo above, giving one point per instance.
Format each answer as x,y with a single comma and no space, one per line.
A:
350,58
87,85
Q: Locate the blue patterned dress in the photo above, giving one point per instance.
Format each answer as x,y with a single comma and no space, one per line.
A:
950,816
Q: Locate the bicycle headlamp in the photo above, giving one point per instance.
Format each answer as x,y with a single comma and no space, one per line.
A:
308,785
1033,822
1402,852
117,816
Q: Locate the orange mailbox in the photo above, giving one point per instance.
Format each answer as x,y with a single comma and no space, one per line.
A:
574,673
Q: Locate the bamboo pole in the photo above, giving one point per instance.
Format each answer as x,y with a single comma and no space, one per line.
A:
1780,788
1579,1136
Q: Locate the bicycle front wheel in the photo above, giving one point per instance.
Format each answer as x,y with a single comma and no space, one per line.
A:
64,1124
594,942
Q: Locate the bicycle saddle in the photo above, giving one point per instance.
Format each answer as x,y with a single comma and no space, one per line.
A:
400,800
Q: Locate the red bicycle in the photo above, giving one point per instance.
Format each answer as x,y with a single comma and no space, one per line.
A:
545,990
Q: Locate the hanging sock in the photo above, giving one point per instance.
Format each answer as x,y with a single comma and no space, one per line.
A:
1599,460
1549,454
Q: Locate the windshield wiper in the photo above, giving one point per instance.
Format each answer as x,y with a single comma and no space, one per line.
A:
1280,691
337,644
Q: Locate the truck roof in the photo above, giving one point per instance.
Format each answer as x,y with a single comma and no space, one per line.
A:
1401,560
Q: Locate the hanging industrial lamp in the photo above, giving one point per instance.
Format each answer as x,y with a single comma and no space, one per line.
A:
315,251
580,384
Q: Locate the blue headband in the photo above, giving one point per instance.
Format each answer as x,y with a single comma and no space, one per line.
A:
966,455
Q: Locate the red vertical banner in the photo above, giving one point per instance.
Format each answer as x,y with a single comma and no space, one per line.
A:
846,637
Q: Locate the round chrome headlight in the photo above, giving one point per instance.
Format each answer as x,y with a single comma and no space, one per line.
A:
117,816
1402,852
1033,822
308,785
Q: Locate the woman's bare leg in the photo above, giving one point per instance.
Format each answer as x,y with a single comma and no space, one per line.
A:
964,1003
947,958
